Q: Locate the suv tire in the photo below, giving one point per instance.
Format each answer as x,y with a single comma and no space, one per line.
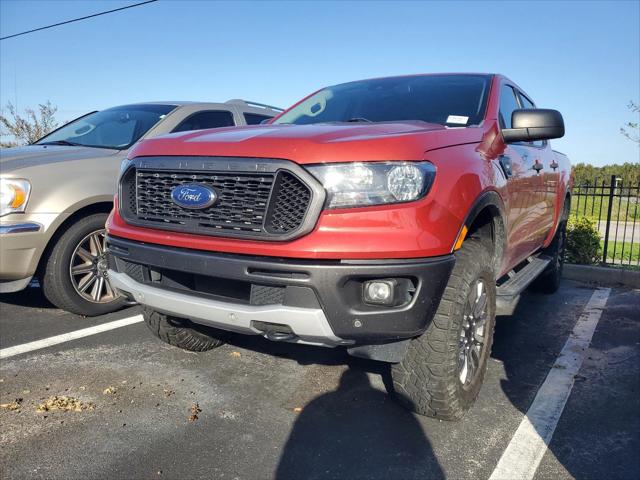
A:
183,333
61,287
431,380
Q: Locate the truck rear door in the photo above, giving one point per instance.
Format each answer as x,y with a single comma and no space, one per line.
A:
547,169
526,203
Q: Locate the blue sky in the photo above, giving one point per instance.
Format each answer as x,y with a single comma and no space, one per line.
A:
582,58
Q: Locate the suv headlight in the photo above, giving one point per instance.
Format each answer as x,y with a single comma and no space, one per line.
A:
374,183
14,195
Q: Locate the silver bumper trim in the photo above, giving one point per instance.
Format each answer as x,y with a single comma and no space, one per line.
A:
12,286
310,325
20,228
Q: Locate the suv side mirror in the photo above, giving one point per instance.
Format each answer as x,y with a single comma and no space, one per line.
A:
534,124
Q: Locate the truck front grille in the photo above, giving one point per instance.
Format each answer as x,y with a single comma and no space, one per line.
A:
268,205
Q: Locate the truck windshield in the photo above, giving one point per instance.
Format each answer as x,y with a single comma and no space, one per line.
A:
450,100
116,128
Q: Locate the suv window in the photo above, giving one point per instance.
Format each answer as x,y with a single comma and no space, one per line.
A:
208,119
255,118
508,103
528,104
117,128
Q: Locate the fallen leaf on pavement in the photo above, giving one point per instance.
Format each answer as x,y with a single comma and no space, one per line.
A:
195,410
64,403
109,391
297,409
13,406
236,354
227,415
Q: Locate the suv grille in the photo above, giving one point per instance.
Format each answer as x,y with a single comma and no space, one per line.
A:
262,205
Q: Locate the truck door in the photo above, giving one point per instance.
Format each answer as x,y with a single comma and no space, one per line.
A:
548,171
526,207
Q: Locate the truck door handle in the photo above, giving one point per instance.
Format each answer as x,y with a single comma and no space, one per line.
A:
505,163
537,166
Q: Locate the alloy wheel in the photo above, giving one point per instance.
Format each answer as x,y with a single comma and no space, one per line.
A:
88,269
472,339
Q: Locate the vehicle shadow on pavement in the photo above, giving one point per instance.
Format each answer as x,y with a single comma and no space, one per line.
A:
356,431
31,297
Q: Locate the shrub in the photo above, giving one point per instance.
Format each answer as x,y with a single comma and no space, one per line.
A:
583,241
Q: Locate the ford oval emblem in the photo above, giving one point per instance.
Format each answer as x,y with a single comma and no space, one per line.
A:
193,196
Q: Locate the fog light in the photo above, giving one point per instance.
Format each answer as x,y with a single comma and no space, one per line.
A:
379,292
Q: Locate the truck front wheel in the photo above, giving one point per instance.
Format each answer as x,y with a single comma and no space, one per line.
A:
183,333
444,368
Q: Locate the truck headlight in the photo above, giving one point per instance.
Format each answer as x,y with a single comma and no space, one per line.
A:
374,183
14,195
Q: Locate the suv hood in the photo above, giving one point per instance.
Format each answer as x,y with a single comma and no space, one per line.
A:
330,142
12,159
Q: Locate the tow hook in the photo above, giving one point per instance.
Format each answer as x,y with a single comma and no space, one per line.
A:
274,331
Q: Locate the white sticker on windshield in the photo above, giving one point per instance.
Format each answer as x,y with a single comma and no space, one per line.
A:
457,119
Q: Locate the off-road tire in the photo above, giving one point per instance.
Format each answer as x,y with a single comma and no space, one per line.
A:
549,280
183,333
427,379
55,279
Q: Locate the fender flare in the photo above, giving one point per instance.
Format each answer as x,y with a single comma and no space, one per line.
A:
489,198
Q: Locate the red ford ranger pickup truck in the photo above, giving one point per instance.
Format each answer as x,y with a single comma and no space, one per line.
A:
392,217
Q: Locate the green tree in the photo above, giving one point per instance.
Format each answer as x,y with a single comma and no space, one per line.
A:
631,130
27,129
584,173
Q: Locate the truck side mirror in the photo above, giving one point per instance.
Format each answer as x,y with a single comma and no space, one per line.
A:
532,124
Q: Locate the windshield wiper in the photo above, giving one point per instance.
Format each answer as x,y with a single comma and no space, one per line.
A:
359,119
61,142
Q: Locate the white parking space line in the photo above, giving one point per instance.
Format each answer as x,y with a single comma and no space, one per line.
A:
66,337
524,453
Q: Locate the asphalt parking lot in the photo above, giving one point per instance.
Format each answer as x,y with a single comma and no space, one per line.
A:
268,410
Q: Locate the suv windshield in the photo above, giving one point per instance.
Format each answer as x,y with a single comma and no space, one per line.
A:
451,100
118,127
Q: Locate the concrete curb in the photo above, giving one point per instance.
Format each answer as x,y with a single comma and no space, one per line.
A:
608,276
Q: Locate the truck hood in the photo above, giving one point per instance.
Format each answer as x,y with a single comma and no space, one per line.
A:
330,142
12,159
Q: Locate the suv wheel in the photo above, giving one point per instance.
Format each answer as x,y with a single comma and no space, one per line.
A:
183,333
75,272
443,370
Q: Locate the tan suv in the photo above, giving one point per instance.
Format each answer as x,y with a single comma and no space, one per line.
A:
55,195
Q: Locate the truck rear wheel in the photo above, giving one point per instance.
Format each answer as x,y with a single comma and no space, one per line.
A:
444,368
183,333
549,279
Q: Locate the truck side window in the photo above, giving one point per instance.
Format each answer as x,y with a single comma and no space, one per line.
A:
526,103
255,118
207,119
508,103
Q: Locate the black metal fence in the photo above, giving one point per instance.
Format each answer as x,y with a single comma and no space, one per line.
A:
613,204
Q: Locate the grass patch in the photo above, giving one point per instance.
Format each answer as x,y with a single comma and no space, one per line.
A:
625,209
625,251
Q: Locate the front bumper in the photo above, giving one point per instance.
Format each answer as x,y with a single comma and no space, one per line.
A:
318,302
23,238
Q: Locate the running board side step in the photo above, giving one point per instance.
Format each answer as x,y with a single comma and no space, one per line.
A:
508,292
